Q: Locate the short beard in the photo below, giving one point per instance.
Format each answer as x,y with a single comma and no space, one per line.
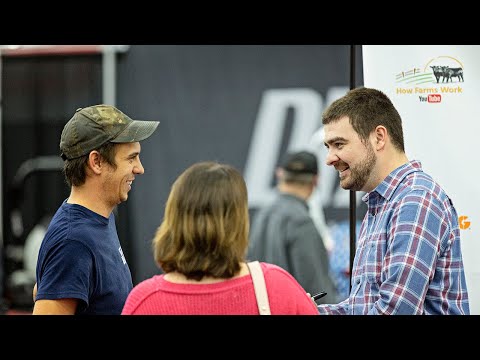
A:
360,173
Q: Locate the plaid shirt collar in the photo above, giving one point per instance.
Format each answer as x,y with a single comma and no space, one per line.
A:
388,186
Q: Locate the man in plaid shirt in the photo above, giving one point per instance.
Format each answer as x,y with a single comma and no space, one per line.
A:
408,258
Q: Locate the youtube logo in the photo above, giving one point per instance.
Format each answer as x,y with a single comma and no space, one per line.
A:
434,98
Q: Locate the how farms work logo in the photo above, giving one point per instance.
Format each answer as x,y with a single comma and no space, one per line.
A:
440,76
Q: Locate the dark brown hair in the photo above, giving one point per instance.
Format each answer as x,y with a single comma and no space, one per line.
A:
75,170
367,108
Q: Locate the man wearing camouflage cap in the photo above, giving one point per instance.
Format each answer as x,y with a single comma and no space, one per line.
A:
81,268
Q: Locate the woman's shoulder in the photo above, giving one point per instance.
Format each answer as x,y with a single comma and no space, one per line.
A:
286,295
149,285
275,271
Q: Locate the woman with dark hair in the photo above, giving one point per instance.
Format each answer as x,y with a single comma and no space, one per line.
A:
201,246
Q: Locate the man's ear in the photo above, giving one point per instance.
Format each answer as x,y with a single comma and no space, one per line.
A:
279,173
380,133
95,161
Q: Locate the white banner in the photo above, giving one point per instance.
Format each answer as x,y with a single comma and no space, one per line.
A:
436,89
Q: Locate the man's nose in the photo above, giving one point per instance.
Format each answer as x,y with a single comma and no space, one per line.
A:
331,158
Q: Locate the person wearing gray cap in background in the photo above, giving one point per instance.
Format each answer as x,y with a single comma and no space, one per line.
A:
81,268
284,234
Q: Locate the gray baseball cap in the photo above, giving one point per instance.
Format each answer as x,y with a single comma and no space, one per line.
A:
301,162
93,126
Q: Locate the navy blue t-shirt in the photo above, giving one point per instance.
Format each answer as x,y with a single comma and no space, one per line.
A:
81,258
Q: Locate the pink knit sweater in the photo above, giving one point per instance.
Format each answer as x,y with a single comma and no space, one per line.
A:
157,296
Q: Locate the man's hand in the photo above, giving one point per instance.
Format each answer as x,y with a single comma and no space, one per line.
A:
311,297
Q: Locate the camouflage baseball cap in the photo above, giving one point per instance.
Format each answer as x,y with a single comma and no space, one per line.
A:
93,126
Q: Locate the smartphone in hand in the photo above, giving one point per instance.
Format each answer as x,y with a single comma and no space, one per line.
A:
318,296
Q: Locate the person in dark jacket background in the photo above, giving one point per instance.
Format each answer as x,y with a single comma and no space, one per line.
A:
283,232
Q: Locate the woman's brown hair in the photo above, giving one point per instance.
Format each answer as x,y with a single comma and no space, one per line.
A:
205,228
